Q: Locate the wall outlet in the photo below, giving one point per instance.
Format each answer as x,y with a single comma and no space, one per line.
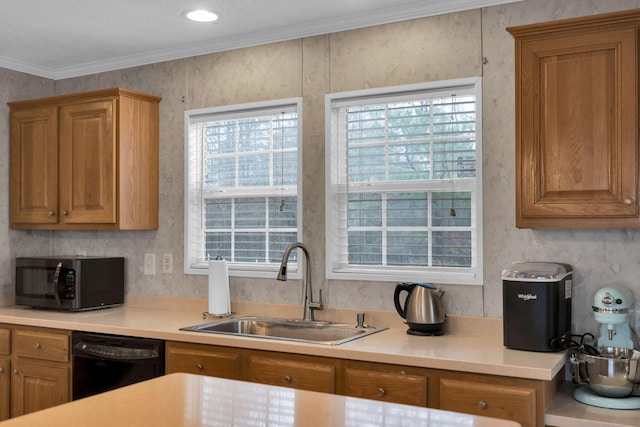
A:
167,263
149,264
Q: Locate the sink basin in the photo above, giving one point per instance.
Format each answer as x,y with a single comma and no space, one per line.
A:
317,332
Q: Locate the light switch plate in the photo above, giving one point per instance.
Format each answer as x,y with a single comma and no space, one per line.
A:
149,264
167,263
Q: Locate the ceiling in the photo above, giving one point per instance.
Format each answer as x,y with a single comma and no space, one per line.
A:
68,38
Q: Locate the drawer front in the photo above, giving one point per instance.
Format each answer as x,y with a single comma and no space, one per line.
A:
203,360
395,387
41,345
291,373
490,400
5,341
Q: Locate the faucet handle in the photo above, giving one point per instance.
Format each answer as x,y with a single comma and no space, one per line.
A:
360,320
317,305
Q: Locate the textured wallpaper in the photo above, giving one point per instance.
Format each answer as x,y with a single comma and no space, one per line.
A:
472,43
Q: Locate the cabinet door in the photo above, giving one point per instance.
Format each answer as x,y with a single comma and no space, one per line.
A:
489,400
203,360
577,124
87,162
289,371
390,386
34,166
38,385
5,388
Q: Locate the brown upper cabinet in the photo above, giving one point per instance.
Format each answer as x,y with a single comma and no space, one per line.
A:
85,161
577,122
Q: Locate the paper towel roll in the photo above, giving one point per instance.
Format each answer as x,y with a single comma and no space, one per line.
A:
219,300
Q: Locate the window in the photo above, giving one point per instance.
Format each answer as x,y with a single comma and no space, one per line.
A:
404,188
241,178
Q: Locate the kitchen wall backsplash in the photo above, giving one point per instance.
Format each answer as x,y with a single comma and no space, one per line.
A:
427,49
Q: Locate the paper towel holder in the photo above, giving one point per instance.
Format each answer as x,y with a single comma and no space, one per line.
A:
219,316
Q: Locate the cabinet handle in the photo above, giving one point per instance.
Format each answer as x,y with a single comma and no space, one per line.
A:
381,391
482,404
50,213
401,372
199,367
287,379
37,346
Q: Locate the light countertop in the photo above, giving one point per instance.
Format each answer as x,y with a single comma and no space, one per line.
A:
565,411
464,352
191,400
475,347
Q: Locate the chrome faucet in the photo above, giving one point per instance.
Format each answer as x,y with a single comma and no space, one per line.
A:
307,303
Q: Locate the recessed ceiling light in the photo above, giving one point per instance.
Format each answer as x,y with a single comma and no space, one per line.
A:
201,15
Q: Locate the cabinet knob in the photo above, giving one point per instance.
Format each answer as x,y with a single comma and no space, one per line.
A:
37,346
628,202
199,367
1,371
64,213
287,379
482,404
381,391
50,213
15,372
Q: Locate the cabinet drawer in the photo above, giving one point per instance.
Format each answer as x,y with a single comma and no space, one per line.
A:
396,387
41,345
292,373
203,360
490,400
5,341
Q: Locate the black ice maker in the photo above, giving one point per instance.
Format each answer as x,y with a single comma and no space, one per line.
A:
536,298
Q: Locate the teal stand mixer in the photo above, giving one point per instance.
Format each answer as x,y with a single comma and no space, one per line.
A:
612,375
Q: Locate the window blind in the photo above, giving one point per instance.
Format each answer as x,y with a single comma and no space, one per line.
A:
403,184
242,193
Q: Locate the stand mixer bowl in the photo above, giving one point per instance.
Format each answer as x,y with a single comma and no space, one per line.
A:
610,374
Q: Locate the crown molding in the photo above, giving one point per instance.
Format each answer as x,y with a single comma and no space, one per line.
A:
420,9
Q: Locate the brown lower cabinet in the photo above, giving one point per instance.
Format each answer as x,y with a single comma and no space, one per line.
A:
510,399
214,361
5,388
517,399
388,383
291,370
281,369
35,369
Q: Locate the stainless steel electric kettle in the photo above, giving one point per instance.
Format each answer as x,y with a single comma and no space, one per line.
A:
423,308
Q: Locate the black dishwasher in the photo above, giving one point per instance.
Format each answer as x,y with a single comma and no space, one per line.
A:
105,362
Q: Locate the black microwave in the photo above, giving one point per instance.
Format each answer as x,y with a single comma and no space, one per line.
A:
72,283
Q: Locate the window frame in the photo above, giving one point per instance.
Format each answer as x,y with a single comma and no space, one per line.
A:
472,275
242,269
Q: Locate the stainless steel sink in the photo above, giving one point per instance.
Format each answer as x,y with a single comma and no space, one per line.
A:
316,332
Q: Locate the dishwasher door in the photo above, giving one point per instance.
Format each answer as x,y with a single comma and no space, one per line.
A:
105,362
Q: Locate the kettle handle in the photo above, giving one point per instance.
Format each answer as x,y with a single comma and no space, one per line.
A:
400,287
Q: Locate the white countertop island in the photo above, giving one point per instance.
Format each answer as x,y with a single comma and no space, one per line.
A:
185,400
